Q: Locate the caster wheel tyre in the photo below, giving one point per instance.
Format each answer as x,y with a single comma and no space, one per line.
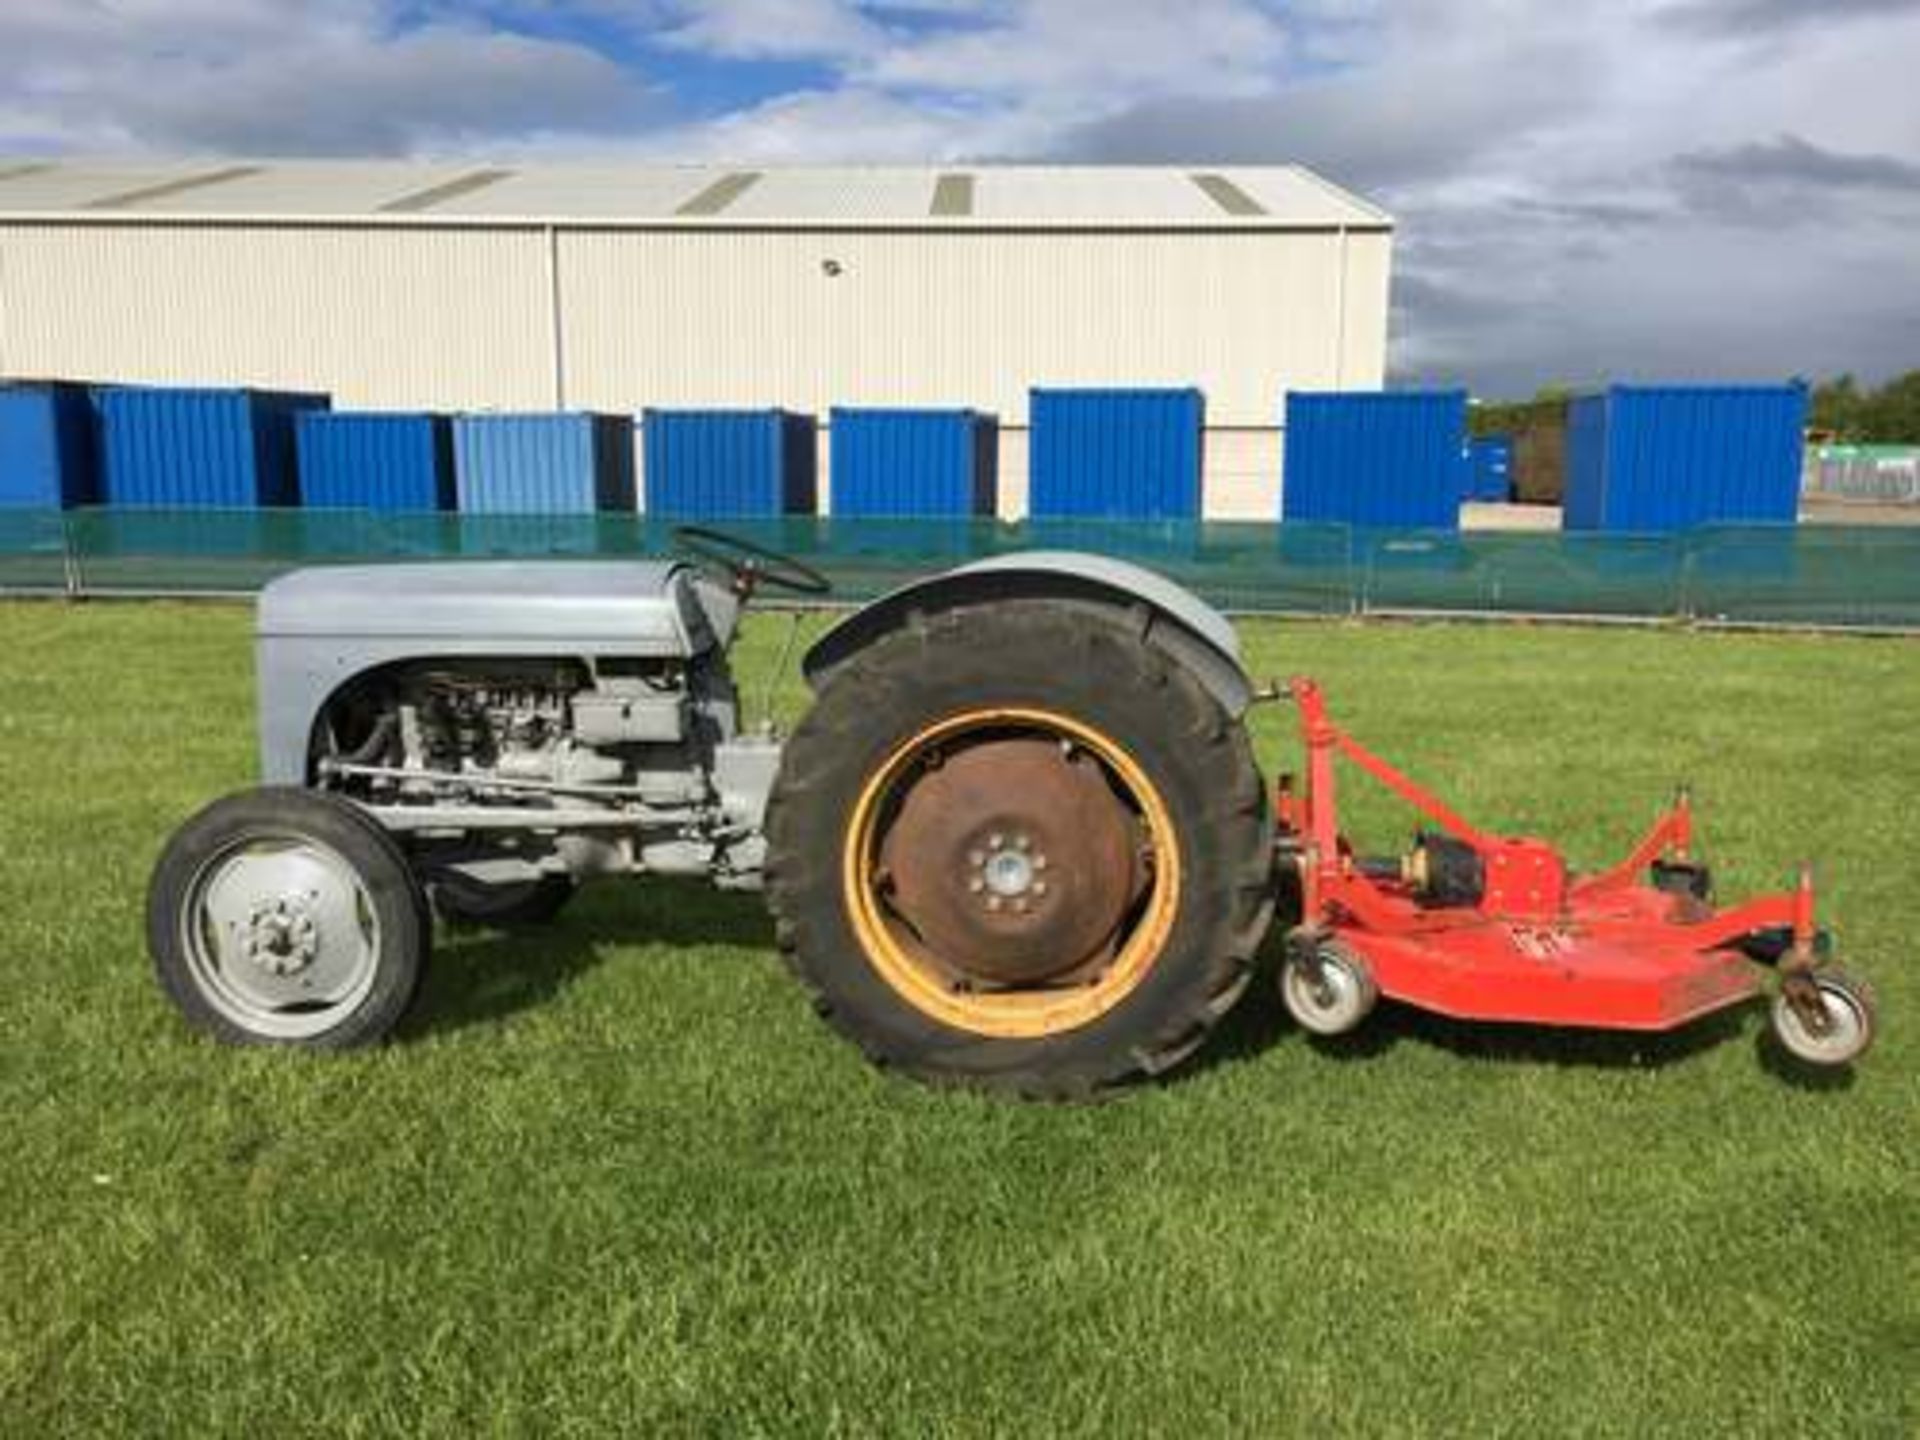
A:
1330,997
1848,1007
283,916
505,907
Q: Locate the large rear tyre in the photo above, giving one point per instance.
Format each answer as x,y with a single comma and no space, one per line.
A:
1018,847
282,916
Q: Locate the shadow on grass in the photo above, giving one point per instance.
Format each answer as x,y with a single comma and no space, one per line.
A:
479,976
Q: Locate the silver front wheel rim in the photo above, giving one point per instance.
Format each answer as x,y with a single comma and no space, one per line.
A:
281,935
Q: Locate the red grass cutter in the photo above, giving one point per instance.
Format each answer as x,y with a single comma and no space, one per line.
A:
1489,927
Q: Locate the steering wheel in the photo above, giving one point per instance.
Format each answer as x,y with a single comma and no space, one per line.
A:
750,565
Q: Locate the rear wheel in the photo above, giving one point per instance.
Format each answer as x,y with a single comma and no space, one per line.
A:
285,917
1019,847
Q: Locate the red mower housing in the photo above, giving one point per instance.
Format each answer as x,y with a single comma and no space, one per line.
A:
1488,927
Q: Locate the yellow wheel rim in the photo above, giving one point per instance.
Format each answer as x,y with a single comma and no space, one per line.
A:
1011,1012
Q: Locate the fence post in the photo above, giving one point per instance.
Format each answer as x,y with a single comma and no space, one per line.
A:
1359,570
1687,612
70,572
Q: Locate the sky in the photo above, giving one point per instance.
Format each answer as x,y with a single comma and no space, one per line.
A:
1638,189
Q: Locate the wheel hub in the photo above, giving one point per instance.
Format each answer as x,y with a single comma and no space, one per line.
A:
282,936
1013,862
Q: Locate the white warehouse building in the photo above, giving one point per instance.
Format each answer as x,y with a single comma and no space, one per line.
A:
616,287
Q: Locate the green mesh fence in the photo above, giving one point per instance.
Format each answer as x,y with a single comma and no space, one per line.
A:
1857,576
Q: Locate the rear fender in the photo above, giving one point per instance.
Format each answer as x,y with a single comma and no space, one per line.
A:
1170,617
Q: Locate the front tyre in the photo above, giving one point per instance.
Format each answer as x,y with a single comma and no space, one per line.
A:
282,916
1018,847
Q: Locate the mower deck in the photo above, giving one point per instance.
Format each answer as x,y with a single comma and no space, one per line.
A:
1481,926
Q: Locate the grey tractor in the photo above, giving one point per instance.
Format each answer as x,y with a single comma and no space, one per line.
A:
1017,841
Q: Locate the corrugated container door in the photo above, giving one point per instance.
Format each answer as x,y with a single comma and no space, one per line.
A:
368,461
548,464
1115,454
720,464
167,448
912,463
46,447
1584,506
1373,458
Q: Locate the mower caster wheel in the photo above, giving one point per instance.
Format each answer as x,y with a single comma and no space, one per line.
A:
1842,1031
1328,990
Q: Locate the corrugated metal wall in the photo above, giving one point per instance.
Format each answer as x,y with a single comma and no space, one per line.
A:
198,447
462,316
913,462
712,464
1663,458
375,461
744,318
46,446
1115,454
393,318
1375,459
555,464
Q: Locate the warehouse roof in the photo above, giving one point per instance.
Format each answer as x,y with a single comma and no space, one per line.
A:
1267,197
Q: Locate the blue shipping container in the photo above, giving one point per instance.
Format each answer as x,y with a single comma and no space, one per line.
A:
720,464
1115,454
906,463
46,446
1653,459
184,448
570,463
1375,458
1490,468
367,461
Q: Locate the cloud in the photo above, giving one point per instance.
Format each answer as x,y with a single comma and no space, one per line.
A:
250,77
773,29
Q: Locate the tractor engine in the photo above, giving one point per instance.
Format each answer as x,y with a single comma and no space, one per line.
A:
514,732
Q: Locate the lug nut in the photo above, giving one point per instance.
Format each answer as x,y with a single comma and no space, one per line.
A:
976,885
1040,860
993,902
976,858
1021,842
996,842
1039,887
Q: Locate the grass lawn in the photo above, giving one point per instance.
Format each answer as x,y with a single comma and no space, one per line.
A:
616,1177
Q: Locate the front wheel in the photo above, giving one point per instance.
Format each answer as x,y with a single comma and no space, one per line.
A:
1018,847
282,916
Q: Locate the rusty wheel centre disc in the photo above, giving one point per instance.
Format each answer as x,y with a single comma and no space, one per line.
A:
1013,862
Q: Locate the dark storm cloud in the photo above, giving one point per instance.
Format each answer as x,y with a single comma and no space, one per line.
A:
1793,161
1749,17
1370,129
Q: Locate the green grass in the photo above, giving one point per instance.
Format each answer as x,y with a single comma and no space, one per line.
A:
617,1178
